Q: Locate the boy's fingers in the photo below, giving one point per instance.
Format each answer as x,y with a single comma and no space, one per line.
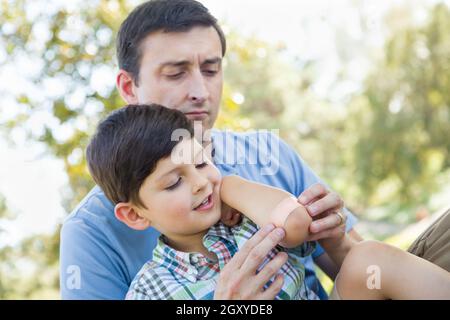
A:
236,218
227,215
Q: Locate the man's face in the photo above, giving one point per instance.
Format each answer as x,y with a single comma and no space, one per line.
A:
183,71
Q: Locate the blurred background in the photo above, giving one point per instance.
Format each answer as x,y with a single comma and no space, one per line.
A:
359,88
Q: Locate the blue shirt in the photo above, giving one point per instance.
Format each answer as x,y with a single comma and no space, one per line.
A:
100,255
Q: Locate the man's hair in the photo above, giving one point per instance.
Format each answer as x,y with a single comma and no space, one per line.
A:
156,15
127,146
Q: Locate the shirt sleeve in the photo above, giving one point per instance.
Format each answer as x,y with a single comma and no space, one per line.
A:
305,177
305,249
83,258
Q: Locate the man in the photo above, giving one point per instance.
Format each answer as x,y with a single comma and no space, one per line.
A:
170,53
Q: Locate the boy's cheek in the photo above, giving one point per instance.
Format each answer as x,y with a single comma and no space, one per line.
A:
181,209
215,175
176,204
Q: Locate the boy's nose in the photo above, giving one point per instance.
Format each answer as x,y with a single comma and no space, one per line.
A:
200,184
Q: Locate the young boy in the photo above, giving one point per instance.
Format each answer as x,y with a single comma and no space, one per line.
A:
135,160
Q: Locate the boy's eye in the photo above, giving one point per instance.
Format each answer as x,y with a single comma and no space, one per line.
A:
176,184
201,165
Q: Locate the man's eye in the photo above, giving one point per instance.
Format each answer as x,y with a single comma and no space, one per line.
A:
176,184
201,165
175,75
210,72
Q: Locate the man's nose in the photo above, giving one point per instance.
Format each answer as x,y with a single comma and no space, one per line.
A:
198,91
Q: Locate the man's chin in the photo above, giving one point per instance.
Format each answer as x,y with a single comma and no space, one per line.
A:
205,119
203,124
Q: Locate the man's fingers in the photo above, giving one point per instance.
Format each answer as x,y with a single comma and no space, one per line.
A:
271,292
328,222
315,191
329,202
326,234
239,258
258,253
270,269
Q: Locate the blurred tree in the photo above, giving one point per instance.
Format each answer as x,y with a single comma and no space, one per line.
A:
28,269
402,119
71,46
6,266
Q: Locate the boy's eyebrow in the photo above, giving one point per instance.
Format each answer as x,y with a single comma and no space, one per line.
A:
169,172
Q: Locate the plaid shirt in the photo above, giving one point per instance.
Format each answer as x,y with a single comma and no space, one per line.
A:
192,276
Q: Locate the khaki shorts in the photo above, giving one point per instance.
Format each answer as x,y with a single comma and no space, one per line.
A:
434,243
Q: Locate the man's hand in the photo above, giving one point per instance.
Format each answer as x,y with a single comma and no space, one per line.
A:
238,279
230,217
325,208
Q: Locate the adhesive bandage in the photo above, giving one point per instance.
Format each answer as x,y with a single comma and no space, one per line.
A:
282,210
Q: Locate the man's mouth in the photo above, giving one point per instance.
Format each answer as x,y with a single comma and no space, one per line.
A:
196,115
206,204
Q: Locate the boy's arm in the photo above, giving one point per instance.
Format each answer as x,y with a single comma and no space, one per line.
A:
264,204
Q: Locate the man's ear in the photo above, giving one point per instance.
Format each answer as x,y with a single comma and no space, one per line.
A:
126,87
126,213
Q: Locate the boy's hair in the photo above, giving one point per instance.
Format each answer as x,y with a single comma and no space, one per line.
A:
127,146
155,15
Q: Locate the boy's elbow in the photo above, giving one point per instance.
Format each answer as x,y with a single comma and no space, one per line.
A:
296,227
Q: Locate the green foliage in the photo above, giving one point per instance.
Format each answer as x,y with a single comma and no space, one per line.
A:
29,269
80,41
404,115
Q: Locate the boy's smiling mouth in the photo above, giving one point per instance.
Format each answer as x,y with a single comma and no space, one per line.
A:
206,204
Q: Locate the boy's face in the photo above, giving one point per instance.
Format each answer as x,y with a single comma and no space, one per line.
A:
183,71
182,199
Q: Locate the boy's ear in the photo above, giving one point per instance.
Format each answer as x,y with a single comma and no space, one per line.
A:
125,85
126,213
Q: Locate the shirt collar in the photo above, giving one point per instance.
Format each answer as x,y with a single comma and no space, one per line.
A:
187,264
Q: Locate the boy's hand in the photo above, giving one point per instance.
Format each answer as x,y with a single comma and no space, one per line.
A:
325,208
230,217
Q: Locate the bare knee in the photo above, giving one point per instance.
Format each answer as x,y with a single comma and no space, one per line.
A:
359,264
363,254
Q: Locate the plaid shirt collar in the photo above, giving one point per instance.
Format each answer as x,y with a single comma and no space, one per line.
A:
193,265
